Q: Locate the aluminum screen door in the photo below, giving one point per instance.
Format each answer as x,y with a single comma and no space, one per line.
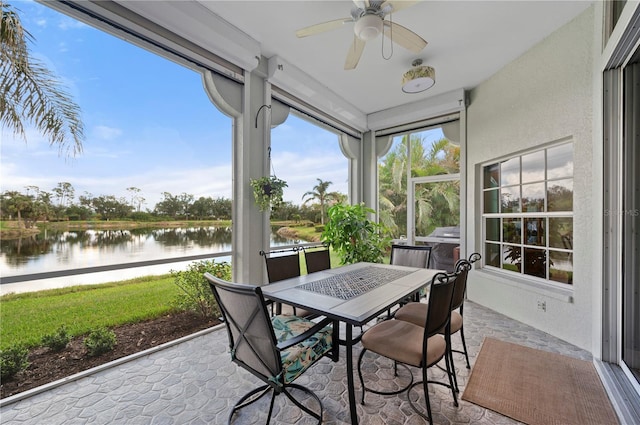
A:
433,217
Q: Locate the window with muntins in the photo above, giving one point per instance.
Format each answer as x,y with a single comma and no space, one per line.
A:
527,214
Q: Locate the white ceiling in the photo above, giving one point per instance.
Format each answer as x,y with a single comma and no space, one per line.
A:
468,40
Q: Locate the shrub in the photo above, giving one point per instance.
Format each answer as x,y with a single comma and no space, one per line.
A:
196,294
354,236
13,360
100,341
58,340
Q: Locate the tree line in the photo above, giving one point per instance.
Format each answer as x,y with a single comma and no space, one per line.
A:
36,205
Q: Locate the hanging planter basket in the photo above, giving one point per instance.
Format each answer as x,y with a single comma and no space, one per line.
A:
268,192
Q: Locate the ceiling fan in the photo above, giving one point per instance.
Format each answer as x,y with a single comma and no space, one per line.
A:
369,18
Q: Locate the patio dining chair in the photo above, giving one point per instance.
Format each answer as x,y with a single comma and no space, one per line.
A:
280,267
416,312
317,259
411,256
275,349
408,344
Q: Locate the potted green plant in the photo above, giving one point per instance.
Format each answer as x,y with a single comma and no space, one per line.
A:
354,236
268,192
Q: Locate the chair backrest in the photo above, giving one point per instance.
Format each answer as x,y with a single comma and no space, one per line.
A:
462,269
440,297
410,255
474,257
317,260
282,266
252,342
463,266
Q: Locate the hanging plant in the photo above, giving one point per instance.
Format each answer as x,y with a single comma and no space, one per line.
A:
268,192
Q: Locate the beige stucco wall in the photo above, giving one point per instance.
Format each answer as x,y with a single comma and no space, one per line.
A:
543,96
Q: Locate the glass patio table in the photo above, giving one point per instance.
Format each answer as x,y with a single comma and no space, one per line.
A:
354,295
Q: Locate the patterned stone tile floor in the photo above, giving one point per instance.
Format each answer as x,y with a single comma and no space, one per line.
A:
194,382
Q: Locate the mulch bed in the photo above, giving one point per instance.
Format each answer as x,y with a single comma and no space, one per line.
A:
47,366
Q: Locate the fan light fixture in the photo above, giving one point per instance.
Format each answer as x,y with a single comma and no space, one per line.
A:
368,27
419,78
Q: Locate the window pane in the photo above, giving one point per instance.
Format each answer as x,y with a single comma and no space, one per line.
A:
533,224
491,176
432,154
437,205
561,267
512,230
535,231
492,254
533,197
511,255
510,172
392,184
510,202
560,161
309,159
493,229
533,167
561,232
560,195
535,262
491,201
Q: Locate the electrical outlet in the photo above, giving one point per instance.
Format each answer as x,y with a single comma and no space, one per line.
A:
542,305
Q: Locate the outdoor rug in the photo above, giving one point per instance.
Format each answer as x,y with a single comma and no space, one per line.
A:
537,387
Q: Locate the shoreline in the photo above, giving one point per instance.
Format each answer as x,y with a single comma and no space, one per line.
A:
9,229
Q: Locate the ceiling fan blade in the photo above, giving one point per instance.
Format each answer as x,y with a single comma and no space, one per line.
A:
325,26
404,37
391,6
355,52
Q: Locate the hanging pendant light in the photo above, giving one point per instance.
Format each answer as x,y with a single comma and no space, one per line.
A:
419,78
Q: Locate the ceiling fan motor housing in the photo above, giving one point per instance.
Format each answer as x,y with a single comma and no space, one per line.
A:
368,26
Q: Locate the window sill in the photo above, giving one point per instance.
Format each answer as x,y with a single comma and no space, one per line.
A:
561,294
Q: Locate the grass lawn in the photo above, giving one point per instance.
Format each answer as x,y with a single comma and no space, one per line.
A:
25,318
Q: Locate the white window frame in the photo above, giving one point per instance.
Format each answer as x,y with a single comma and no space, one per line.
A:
522,216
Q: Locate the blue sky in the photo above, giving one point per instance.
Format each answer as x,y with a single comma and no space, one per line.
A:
148,124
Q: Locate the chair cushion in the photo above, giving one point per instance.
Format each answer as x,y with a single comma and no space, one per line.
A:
456,322
414,312
288,310
402,341
296,359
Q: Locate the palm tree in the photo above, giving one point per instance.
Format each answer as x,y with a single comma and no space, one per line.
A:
436,203
320,194
17,203
31,93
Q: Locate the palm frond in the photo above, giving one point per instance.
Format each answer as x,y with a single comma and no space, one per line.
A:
32,94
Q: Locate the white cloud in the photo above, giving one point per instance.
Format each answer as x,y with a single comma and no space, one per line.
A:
66,23
33,143
106,133
301,172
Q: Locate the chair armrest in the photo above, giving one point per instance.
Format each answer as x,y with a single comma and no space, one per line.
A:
305,335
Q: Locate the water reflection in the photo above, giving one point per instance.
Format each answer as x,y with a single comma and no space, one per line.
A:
58,250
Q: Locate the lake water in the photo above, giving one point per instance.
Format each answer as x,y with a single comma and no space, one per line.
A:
57,250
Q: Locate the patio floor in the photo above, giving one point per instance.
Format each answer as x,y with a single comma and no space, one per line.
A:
194,382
